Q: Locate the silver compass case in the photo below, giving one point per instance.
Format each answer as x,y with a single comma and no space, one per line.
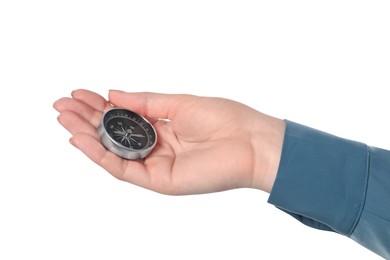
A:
127,134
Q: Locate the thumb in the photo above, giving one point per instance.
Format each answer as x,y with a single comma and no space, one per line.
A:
154,105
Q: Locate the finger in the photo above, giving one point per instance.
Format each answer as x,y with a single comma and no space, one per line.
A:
125,170
75,124
85,111
153,105
92,99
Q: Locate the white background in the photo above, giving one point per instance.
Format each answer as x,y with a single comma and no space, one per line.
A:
325,64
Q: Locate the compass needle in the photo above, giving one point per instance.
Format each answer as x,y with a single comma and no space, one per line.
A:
128,140
118,133
138,135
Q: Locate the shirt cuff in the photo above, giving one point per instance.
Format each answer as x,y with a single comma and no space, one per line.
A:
322,179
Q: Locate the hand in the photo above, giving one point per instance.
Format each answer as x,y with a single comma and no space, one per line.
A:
204,144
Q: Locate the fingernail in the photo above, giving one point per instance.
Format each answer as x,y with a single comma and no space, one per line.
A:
73,92
115,90
55,105
72,142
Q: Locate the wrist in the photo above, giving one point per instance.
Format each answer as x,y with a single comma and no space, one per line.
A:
267,143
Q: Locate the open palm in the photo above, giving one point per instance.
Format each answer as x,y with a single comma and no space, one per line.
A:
204,144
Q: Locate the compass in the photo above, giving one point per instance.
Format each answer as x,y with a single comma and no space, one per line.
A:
127,134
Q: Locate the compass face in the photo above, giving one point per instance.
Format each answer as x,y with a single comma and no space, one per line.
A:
127,134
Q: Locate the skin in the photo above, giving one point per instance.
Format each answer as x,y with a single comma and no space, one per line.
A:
204,144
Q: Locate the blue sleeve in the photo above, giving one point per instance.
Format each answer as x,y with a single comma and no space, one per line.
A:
334,184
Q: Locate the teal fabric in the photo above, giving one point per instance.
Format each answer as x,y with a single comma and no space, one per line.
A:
335,184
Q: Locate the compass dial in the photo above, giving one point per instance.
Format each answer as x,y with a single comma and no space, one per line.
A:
127,133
